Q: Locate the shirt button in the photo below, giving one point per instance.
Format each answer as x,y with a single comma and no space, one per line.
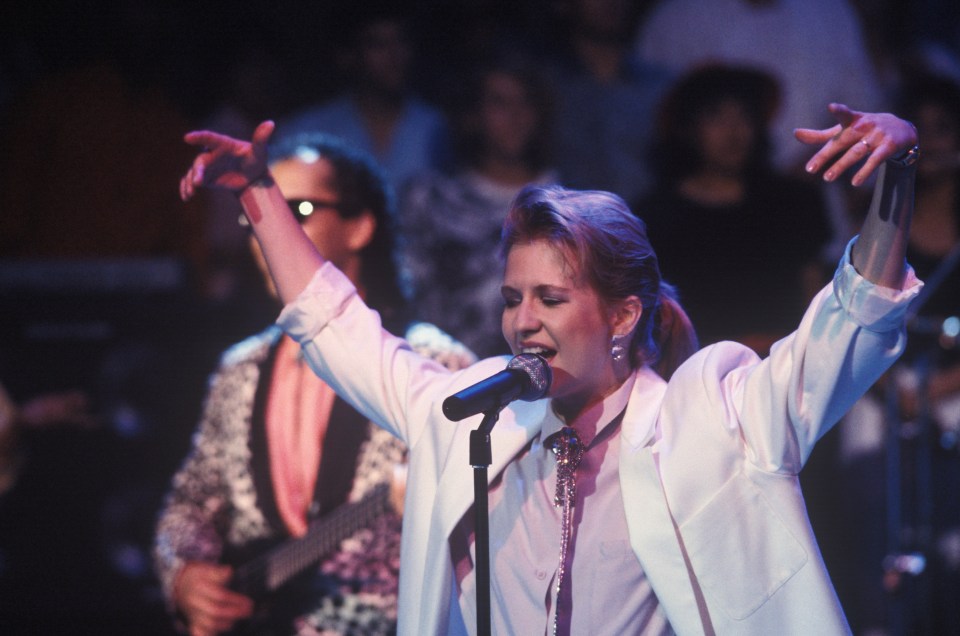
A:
541,574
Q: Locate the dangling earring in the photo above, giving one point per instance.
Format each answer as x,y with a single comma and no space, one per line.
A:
617,350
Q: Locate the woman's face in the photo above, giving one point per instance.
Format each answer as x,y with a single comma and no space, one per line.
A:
550,309
726,136
508,116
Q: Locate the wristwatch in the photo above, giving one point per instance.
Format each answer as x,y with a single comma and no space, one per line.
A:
906,159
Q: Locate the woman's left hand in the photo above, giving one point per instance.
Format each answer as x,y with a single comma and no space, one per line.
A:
874,137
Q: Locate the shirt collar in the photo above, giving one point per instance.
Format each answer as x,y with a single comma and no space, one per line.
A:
597,417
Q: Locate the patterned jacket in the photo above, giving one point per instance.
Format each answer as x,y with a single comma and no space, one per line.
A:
222,501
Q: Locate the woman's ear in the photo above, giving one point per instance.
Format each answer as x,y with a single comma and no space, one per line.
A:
626,315
360,230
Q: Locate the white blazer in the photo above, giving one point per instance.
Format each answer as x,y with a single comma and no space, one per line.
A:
709,461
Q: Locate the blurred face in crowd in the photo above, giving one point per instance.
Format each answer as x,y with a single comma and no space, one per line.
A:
550,309
385,55
602,20
310,187
508,116
940,131
726,136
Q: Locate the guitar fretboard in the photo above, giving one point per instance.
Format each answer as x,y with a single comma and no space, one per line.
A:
272,569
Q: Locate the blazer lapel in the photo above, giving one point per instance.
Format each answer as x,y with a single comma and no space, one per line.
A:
653,536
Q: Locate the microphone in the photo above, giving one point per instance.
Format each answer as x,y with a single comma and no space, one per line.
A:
527,377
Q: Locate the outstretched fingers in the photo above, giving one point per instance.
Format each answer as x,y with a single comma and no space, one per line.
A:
194,177
259,141
870,138
209,142
224,162
207,139
825,138
187,185
262,133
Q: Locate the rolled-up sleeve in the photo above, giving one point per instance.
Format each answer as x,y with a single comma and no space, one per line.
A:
872,306
323,299
344,342
850,335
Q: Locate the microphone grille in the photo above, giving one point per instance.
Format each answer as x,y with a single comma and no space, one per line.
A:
538,373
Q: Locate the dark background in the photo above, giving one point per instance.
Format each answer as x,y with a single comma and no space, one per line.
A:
134,327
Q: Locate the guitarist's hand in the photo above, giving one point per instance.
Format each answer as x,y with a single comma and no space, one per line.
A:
201,593
398,488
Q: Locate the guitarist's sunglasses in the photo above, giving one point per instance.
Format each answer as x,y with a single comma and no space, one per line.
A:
301,209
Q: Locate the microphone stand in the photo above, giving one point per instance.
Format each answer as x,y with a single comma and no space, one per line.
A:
481,457
527,377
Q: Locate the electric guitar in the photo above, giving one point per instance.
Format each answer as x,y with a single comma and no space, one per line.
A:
267,573
263,577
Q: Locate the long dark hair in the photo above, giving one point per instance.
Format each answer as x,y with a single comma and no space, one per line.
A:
360,185
676,149
616,256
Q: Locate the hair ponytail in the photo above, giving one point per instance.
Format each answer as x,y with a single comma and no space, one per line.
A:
673,333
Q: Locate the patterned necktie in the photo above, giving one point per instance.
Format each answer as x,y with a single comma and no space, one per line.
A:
568,448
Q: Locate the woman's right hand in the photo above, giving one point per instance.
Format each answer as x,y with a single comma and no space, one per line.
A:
209,606
225,162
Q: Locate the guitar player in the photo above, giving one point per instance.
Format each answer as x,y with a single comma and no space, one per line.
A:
277,452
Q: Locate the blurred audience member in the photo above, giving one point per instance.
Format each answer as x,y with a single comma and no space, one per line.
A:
926,427
719,200
379,113
64,408
934,248
451,222
605,98
56,465
815,49
484,28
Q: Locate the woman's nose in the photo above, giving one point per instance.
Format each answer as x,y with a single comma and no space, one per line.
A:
526,319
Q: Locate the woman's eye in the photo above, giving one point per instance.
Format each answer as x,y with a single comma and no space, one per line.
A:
550,302
511,302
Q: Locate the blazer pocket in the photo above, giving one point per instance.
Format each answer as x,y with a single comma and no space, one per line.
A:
740,549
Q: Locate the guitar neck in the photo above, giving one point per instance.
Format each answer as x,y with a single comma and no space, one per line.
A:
273,569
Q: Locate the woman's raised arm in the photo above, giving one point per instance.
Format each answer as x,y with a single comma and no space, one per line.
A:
241,167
